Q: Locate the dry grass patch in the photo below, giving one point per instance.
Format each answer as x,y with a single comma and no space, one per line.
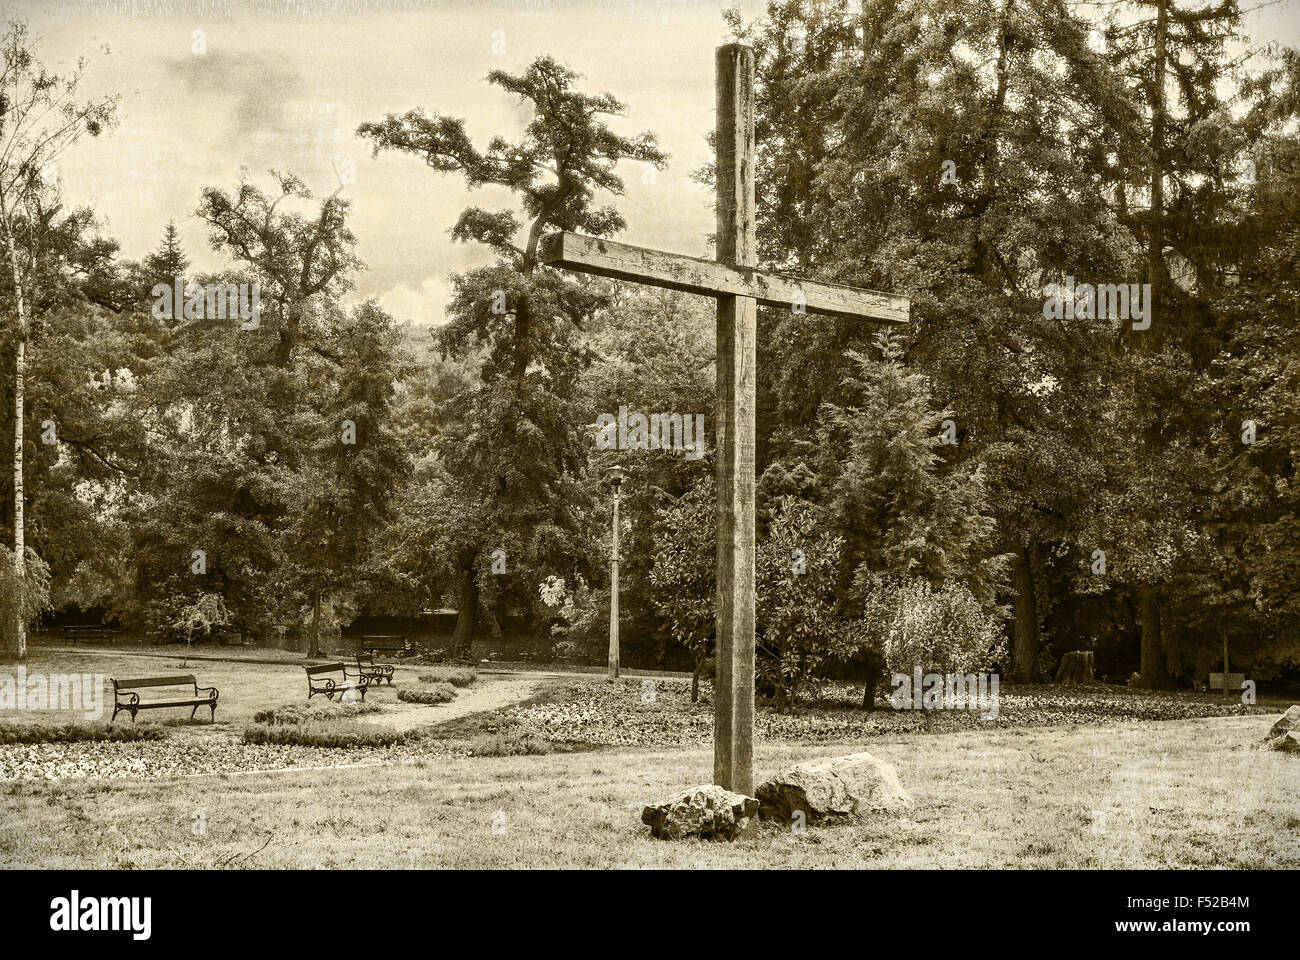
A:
456,676
1184,794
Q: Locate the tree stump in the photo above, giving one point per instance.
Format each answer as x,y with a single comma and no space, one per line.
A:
1076,667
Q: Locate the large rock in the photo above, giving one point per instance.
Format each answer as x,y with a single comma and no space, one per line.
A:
1288,721
707,811
1289,742
850,786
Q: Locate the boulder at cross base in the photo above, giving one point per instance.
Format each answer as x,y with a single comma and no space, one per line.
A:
1289,742
706,811
850,786
1288,721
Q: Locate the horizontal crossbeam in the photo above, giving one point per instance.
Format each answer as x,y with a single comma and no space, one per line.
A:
621,261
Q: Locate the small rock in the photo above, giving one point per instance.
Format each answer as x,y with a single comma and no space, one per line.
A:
705,811
1288,721
853,785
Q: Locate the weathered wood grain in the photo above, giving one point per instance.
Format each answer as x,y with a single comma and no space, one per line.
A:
622,261
733,737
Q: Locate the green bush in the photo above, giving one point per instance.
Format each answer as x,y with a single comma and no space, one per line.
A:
514,743
334,734
456,676
434,693
27,599
311,711
78,733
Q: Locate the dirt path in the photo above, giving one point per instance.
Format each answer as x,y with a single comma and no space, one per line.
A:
490,692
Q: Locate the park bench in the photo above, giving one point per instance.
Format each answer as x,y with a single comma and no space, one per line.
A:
384,643
91,633
319,682
373,672
126,695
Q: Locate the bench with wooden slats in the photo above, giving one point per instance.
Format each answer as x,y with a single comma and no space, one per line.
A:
126,695
384,643
332,678
91,633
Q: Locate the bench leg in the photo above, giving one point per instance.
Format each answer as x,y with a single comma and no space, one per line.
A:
194,711
213,708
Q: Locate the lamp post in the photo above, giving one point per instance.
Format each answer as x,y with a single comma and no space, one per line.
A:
615,478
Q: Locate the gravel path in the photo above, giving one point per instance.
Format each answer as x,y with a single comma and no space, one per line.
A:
205,752
488,693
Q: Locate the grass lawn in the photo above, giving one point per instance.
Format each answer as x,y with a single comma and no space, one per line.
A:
1189,793
1072,777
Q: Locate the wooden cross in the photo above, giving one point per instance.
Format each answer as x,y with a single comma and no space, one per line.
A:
739,287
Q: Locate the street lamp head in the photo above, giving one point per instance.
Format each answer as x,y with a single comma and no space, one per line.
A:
615,476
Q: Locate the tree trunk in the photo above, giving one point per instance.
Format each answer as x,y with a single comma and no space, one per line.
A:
462,638
1226,694
1153,654
313,650
20,545
1077,666
20,371
1155,237
869,696
1025,653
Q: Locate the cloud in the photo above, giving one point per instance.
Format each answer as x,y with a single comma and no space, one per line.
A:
265,88
422,305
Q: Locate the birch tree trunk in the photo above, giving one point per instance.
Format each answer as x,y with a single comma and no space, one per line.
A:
313,648
20,371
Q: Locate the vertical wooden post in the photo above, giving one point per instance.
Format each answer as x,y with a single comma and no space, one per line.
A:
613,596
733,734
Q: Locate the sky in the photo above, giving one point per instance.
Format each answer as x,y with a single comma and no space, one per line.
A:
210,88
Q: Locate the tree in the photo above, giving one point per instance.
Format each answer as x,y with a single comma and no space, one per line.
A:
39,120
899,507
295,258
683,571
200,617
343,493
166,266
520,501
801,622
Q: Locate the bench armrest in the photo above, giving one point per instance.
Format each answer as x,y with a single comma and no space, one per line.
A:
212,690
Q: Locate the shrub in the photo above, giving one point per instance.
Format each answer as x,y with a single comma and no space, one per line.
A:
943,628
78,733
313,710
434,693
27,599
456,676
332,735
800,622
514,743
